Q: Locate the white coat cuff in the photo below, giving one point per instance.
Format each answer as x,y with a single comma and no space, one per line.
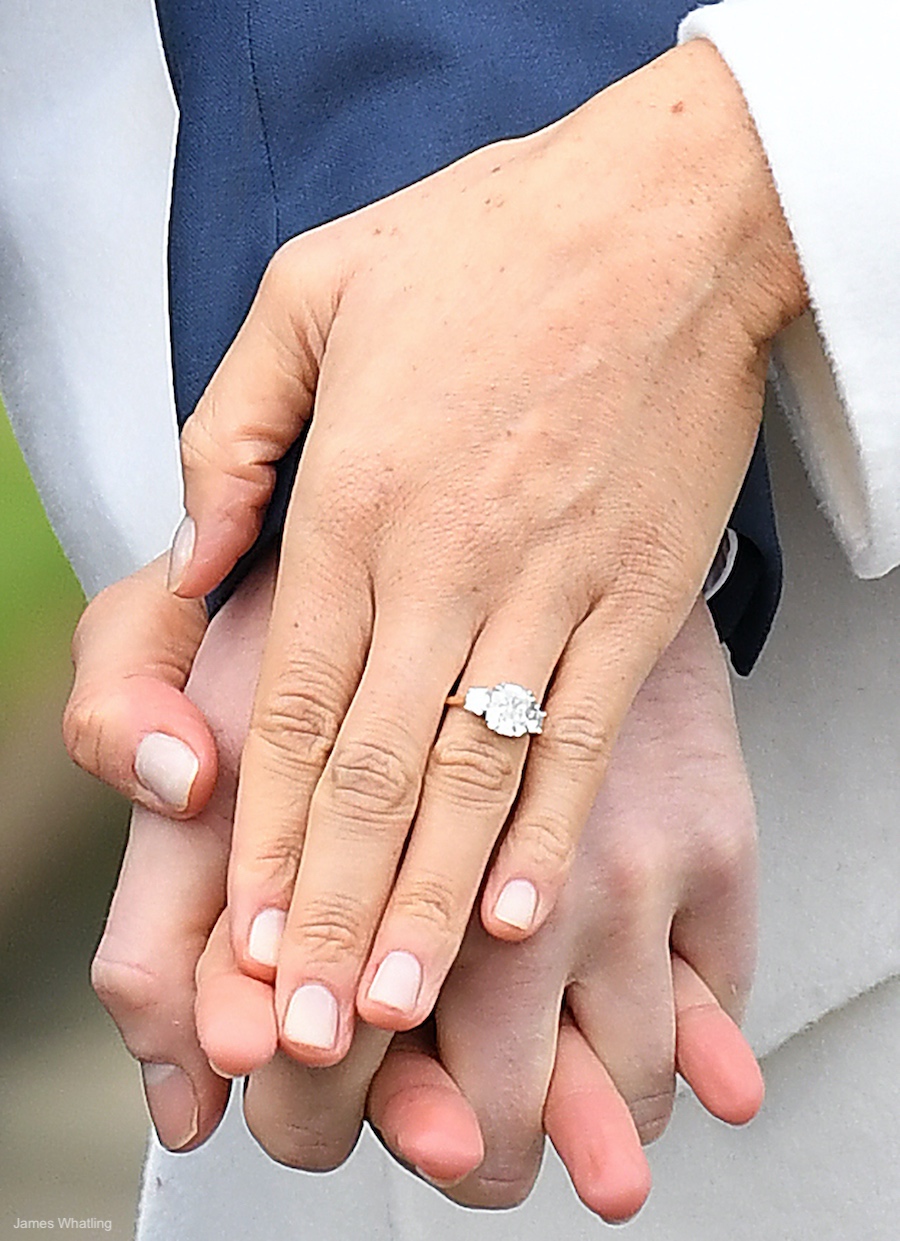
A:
823,88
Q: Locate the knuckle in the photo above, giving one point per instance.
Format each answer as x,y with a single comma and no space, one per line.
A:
431,899
723,850
210,442
369,778
132,994
81,731
649,552
279,279
472,770
631,870
278,856
299,723
200,447
550,843
329,930
728,852
580,738
651,1114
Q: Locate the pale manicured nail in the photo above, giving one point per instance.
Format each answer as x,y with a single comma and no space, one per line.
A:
182,551
312,1017
397,982
172,1103
167,768
264,939
517,904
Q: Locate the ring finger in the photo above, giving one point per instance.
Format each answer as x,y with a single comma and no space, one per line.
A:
470,784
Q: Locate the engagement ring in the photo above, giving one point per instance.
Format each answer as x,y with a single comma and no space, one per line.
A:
509,710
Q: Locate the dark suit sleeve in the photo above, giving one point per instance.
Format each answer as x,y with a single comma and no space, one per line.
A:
745,606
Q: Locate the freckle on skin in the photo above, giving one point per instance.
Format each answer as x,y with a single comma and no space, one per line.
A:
679,106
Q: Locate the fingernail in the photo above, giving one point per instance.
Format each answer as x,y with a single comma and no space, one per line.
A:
182,551
516,904
432,1180
167,768
312,1017
173,1105
264,939
228,1077
397,982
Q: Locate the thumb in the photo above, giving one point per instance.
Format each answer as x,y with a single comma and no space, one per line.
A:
127,720
253,409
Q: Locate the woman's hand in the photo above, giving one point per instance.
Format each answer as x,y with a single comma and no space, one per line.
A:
537,380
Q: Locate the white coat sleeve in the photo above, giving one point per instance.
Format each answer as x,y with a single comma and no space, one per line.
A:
822,83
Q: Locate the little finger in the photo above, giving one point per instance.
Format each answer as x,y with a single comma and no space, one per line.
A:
598,675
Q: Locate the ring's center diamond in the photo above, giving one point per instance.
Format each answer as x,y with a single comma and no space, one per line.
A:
508,709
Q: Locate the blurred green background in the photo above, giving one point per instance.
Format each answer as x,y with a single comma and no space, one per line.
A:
72,1127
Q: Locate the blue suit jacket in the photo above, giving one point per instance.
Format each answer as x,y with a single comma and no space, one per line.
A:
293,112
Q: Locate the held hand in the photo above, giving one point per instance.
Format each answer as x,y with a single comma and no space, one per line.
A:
537,379
171,890
661,899
145,967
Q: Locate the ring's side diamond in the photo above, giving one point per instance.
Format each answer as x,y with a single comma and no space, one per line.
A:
477,700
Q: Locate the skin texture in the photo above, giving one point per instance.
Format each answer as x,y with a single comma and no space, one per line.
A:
520,465
662,897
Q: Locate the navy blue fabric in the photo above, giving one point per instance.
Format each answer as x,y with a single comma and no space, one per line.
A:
293,112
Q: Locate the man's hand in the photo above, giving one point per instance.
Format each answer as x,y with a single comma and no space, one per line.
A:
661,899
171,890
128,721
537,379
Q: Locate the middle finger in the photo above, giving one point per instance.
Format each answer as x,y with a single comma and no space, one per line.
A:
359,818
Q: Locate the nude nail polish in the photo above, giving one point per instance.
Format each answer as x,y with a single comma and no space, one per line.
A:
397,982
167,768
517,904
311,1019
182,551
264,939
